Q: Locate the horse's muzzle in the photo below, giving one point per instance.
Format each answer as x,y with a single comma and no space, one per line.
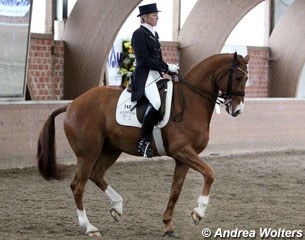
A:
235,111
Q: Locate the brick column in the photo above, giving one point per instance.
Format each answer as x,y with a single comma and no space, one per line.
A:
170,52
45,68
257,86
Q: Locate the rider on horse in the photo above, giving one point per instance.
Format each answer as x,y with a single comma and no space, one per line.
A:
147,48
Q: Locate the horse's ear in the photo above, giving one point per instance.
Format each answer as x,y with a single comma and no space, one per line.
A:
247,58
235,57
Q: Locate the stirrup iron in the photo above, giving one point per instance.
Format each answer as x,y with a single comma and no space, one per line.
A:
144,148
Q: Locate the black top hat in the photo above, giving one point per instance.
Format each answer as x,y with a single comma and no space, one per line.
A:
149,8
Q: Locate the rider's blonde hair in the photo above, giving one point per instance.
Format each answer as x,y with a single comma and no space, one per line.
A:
142,20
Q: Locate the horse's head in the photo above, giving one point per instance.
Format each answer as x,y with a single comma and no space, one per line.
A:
232,84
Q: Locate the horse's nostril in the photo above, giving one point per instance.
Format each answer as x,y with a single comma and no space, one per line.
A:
236,113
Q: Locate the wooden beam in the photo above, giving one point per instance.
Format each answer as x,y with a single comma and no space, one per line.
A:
176,19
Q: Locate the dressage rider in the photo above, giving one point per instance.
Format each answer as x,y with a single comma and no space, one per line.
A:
149,67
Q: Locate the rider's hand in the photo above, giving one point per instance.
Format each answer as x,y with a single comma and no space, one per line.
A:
173,68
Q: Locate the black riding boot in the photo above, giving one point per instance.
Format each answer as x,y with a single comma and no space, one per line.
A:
149,120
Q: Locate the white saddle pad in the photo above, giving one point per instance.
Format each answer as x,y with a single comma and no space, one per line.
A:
126,117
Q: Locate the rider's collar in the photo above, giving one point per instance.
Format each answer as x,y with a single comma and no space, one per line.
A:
149,27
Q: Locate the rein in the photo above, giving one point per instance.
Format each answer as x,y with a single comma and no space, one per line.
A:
227,96
181,81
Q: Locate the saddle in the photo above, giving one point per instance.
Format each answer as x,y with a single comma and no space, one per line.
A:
131,113
142,104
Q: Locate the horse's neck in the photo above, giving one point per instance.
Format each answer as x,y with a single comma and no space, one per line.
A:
204,74
203,77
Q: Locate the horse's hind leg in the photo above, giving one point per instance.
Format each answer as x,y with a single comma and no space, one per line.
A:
178,180
106,160
84,168
87,147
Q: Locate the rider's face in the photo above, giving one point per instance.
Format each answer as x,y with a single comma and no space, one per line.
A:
151,19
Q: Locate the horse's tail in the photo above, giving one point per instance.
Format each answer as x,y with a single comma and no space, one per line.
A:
46,151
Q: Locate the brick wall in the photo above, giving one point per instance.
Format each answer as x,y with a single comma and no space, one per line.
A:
46,68
257,86
170,52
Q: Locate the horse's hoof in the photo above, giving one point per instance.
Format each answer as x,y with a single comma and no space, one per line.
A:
196,218
94,234
115,215
171,234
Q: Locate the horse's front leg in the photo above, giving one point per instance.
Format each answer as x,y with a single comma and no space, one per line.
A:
188,156
178,180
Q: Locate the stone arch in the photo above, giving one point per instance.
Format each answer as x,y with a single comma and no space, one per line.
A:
92,27
287,51
89,34
207,28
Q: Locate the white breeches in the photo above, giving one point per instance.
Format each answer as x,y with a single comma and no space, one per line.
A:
151,90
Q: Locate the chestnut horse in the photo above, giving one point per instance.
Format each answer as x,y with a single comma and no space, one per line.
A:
98,140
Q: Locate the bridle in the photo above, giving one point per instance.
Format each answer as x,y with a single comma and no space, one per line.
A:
220,98
227,95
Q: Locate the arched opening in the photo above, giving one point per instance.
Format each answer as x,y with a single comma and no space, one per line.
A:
300,93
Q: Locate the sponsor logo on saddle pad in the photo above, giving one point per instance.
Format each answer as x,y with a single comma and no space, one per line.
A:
126,112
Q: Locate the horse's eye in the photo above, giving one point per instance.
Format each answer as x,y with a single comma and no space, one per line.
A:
239,79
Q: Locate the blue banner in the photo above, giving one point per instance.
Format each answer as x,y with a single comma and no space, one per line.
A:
14,8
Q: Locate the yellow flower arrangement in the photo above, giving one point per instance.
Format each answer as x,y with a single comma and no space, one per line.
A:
127,62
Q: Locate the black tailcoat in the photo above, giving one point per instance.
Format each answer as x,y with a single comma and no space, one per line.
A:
147,49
